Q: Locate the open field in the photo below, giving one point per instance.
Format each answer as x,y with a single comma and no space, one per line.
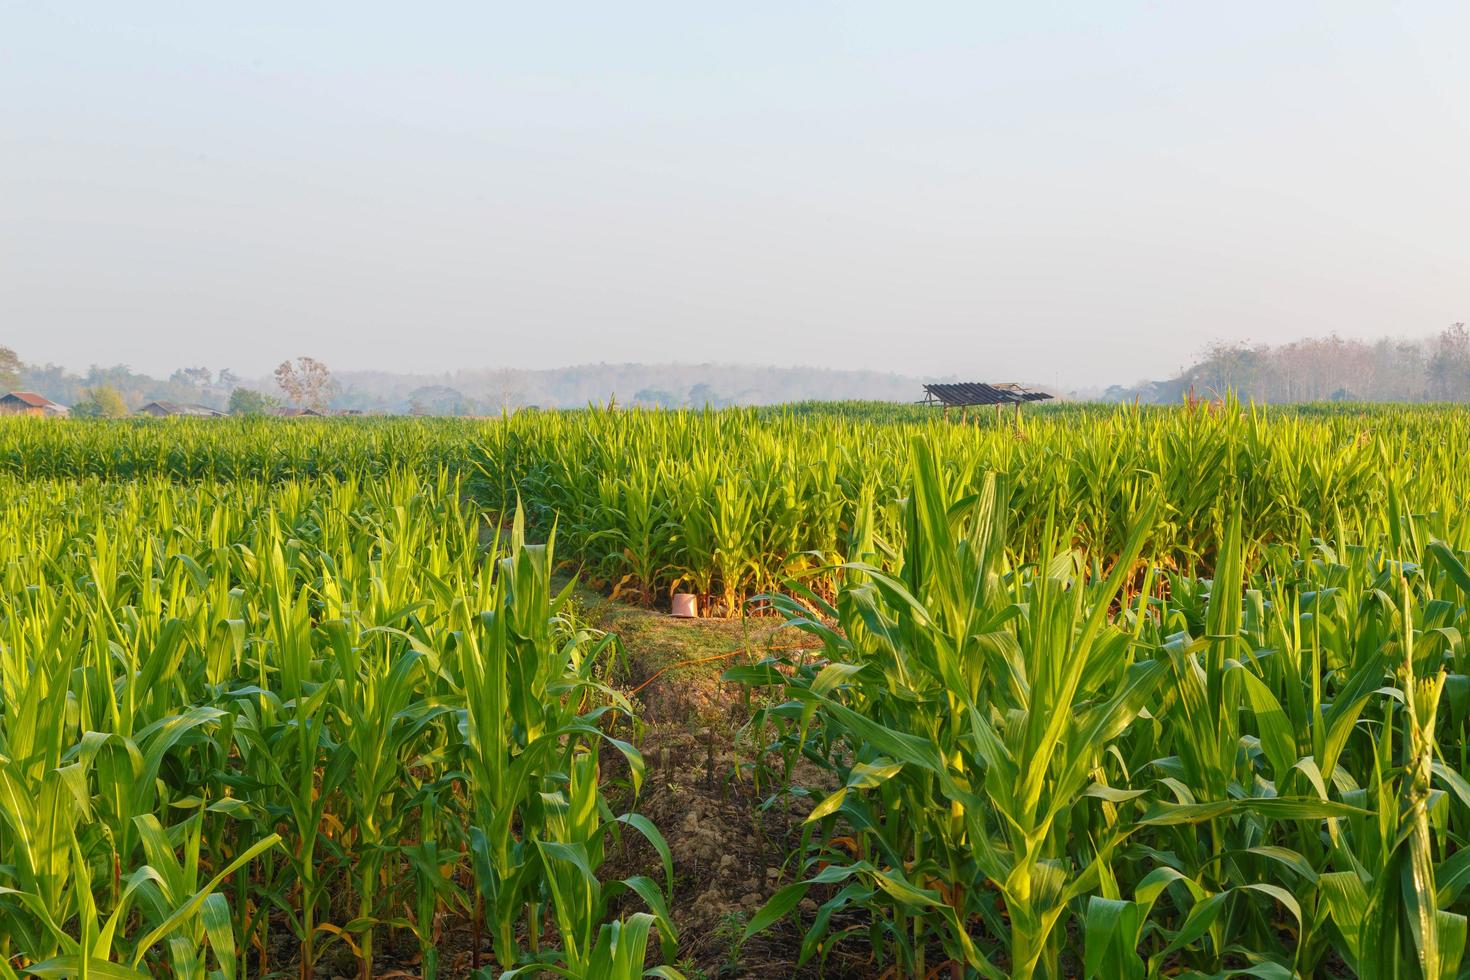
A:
1121,693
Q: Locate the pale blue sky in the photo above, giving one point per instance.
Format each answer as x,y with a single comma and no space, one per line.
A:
1062,192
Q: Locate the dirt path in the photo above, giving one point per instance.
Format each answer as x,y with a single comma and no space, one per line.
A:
728,852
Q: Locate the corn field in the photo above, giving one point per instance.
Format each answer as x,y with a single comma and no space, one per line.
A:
1045,768
1109,692
246,719
730,504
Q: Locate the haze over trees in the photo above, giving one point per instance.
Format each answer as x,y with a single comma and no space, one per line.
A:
1330,368
491,390
439,400
485,391
1435,368
186,385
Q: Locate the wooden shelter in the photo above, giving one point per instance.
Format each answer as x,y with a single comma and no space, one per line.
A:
965,395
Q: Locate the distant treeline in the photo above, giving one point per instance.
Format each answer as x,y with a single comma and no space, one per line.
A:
199,386
488,391
1315,370
1322,369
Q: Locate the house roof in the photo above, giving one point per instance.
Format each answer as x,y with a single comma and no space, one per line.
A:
32,399
179,408
971,393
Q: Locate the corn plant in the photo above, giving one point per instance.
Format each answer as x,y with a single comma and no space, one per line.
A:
532,726
1188,776
231,708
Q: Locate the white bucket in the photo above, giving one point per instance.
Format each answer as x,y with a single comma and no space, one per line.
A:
686,606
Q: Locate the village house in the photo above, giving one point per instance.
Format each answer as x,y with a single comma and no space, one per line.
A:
161,409
30,403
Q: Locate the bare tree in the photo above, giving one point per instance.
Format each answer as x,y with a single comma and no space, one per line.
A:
504,391
1449,364
308,382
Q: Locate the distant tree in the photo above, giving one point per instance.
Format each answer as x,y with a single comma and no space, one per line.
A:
103,401
308,382
504,390
198,377
655,397
1236,367
1400,370
9,369
134,388
701,395
438,400
228,380
1143,391
248,401
1449,364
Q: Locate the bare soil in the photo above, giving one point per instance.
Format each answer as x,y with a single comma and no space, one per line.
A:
728,849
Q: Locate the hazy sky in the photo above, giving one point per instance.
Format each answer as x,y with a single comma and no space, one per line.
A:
1062,192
